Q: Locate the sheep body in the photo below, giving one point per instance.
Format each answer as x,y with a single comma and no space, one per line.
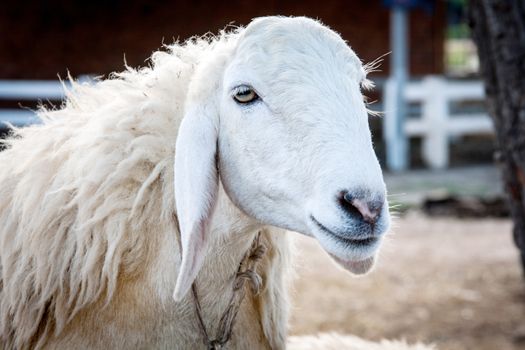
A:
88,239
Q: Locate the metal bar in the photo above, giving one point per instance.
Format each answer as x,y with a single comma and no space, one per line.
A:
397,145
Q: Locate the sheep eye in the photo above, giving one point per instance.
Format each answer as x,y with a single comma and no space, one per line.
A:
245,94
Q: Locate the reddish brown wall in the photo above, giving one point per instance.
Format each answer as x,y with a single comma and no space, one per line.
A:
40,39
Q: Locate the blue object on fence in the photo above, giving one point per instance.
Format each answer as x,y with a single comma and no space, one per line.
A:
427,5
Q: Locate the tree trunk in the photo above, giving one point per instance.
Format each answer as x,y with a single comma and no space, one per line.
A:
498,28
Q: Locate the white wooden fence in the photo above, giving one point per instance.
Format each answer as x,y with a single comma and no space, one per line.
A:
436,124
21,91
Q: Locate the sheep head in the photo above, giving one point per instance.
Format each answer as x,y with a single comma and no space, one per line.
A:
279,119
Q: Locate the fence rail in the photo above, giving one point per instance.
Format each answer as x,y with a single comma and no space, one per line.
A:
30,90
26,90
436,124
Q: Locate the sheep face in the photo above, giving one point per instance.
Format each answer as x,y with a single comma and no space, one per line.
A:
295,149
291,142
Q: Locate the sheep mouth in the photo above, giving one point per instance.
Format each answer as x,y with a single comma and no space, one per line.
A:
354,242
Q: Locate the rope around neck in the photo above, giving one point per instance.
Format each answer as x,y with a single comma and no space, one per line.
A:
245,272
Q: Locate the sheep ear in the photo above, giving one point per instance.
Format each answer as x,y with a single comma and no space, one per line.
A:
196,186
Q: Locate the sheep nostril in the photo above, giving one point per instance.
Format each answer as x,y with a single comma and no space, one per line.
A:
348,197
368,211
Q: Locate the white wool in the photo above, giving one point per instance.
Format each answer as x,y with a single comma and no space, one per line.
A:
87,207
334,341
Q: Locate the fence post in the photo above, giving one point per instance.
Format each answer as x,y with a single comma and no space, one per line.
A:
435,116
396,140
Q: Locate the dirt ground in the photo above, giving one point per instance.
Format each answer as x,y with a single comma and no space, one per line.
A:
455,283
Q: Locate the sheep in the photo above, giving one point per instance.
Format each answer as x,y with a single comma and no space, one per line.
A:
256,131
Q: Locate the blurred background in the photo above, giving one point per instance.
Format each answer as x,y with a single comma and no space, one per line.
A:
449,274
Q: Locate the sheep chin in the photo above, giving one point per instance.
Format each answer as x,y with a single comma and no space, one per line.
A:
356,267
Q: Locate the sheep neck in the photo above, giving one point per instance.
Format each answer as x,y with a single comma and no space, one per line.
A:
245,272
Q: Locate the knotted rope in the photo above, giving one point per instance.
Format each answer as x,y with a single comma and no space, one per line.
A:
245,273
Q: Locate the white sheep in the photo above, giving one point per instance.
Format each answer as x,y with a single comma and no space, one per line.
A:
271,134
